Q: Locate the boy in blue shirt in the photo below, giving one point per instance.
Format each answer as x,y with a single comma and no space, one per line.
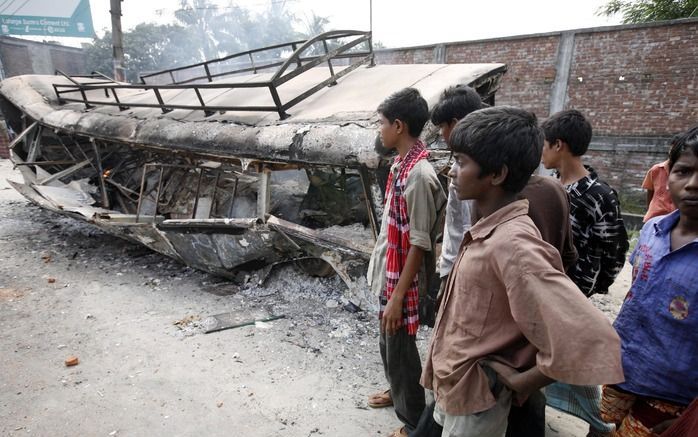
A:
659,320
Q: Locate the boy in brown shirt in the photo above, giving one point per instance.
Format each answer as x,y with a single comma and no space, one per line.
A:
507,300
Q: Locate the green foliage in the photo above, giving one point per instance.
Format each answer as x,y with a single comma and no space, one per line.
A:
147,47
643,11
204,31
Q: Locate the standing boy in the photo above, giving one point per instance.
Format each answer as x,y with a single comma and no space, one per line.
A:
549,210
507,300
599,236
414,197
658,198
597,226
453,105
658,322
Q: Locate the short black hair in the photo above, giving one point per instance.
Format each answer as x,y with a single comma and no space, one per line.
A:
408,106
455,103
685,141
499,136
571,127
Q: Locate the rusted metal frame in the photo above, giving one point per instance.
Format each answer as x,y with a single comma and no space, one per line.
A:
241,70
161,102
97,73
170,107
277,101
118,102
85,155
232,199
215,190
100,174
207,112
64,162
93,75
218,60
254,68
279,79
77,87
329,61
76,83
64,173
198,189
264,193
127,192
19,138
323,84
33,151
335,34
122,204
157,193
298,60
67,150
208,73
140,194
368,197
338,56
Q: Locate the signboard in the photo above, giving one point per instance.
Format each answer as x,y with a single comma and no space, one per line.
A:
46,18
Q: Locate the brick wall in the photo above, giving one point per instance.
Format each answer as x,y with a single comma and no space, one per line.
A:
638,86
658,93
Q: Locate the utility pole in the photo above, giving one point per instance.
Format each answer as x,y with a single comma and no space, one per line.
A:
117,40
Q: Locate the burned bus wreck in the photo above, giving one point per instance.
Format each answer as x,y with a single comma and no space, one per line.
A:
243,162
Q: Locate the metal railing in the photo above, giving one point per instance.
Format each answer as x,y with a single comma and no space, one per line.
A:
295,65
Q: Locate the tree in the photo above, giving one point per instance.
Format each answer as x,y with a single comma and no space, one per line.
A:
203,31
148,47
643,11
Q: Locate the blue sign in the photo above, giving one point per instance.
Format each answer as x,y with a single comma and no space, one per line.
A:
46,18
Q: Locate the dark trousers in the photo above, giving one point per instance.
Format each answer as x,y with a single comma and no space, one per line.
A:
527,420
403,368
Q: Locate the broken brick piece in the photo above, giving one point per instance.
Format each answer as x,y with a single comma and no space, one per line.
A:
51,280
71,361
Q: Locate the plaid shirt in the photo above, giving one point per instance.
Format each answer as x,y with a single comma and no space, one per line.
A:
399,239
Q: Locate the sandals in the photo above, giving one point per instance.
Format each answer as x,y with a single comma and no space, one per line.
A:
380,400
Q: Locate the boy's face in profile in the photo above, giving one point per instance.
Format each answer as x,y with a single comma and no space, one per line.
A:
683,184
445,129
465,178
389,132
551,155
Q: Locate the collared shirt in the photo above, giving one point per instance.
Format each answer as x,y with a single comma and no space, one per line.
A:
658,322
508,300
599,234
458,222
656,181
425,198
549,209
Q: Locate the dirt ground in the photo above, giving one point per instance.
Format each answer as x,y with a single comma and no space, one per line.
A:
135,321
